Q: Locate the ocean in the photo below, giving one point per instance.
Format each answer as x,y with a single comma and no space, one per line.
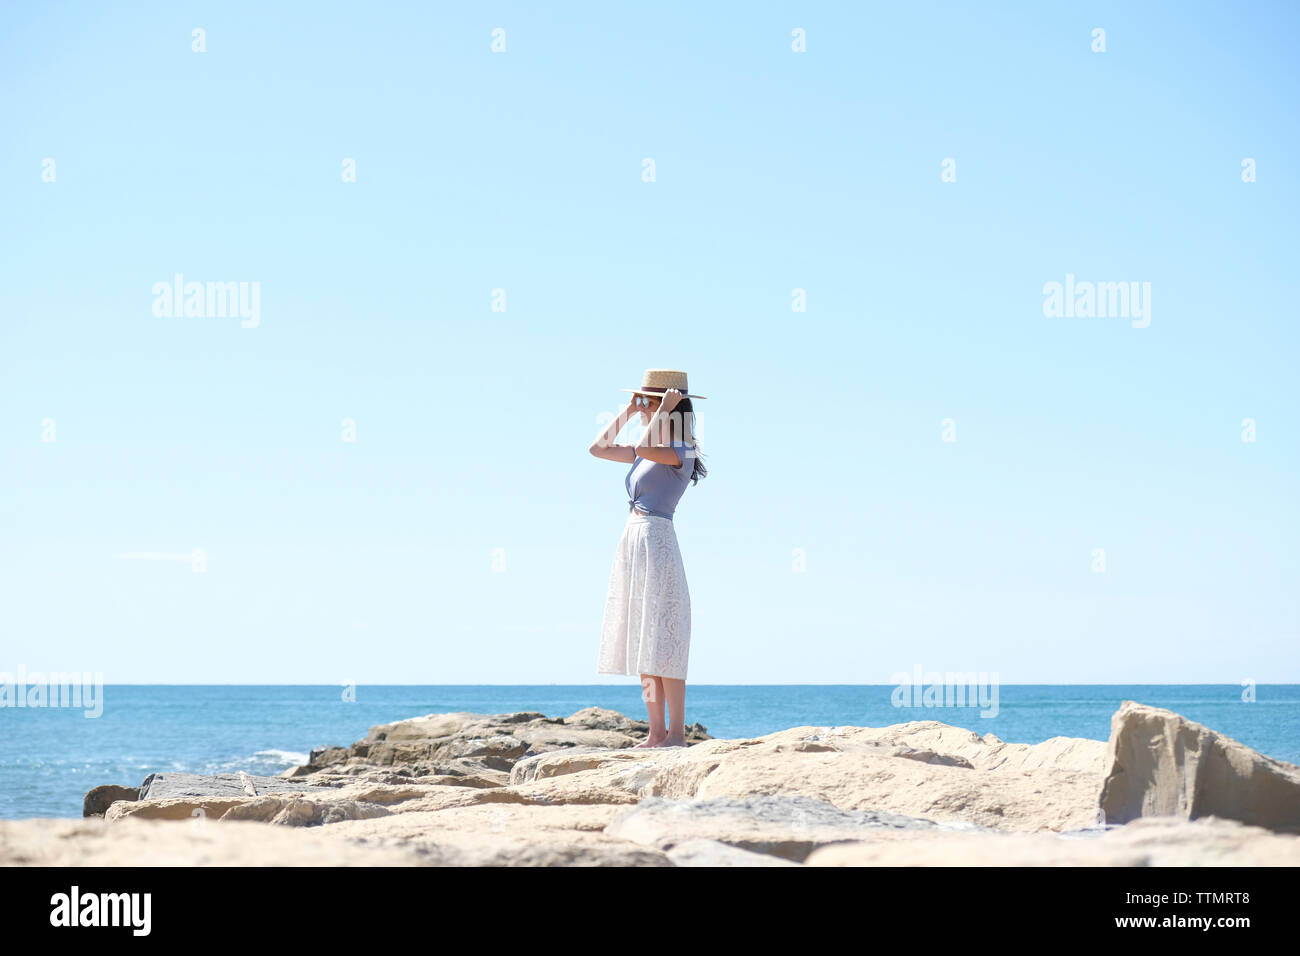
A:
50,756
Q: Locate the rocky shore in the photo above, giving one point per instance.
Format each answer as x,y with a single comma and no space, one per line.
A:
525,789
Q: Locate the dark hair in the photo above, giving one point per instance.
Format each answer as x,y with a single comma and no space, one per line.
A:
684,425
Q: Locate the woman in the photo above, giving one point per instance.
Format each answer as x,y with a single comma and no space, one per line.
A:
647,624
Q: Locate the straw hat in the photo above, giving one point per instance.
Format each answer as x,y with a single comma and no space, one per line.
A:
656,381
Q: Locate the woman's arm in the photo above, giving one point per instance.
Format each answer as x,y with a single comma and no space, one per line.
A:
660,454
604,447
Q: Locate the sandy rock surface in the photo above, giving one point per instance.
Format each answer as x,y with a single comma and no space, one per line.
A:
529,790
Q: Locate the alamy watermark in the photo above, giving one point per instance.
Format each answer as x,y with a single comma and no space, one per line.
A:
75,908
209,300
1086,300
56,689
949,689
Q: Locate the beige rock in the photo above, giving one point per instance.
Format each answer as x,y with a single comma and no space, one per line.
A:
447,737
1153,841
175,808
1048,786
303,811
526,790
140,842
1162,764
922,768
506,835
713,853
468,749
789,827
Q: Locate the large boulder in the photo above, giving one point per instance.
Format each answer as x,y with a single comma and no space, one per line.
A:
1159,763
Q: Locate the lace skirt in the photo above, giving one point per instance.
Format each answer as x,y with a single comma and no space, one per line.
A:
647,623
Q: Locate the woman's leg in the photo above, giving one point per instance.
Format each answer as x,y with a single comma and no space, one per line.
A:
675,692
652,692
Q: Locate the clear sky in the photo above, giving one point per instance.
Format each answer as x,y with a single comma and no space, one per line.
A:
774,170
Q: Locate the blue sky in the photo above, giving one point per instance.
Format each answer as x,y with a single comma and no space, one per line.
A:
774,170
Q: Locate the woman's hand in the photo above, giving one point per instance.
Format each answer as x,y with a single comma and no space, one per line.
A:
604,446
670,400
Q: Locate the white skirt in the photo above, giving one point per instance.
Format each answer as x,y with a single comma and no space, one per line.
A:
647,623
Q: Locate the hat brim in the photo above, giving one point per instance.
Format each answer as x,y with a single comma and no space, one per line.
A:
642,391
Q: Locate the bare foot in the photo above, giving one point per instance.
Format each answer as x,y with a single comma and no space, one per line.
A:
649,742
671,741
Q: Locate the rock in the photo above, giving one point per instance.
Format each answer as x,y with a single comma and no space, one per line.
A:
1159,763
524,789
929,756
920,769
159,786
480,749
572,836
1152,841
536,767
187,796
713,853
789,827
174,808
297,811
598,718
981,780
138,842
500,834
99,799
325,756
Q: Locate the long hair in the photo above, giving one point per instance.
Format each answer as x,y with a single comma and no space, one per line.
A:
683,425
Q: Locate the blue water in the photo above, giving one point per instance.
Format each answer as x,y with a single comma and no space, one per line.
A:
49,757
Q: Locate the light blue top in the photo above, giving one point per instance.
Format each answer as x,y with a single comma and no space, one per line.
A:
655,489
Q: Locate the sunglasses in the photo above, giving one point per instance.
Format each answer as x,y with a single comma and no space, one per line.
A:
643,401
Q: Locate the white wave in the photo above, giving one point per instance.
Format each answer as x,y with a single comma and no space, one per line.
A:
287,757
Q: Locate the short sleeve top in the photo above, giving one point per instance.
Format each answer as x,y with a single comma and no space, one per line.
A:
655,489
